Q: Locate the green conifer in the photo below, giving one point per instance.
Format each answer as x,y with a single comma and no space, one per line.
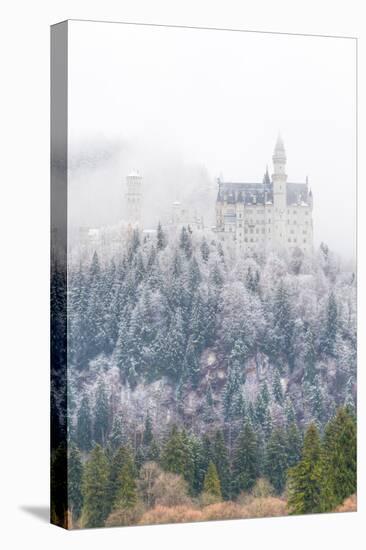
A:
95,489
211,484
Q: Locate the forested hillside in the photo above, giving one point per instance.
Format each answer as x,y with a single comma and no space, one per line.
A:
224,373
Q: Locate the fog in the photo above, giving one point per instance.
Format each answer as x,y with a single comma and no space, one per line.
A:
183,106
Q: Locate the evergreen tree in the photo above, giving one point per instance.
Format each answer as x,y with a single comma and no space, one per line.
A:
84,426
173,454
211,484
232,392
221,460
284,325
245,463
185,242
117,462
277,388
276,460
95,489
177,455
309,355
160,238
331,325
116,437
305,481
289,410
148,435
205,250
293,445
126,495
74,478
101,420
340,455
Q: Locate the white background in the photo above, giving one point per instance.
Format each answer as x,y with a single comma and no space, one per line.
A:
24,169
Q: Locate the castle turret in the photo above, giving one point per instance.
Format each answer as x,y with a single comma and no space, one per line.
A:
134,197
279,179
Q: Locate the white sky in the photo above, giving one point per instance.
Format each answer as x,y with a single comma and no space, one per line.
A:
175,103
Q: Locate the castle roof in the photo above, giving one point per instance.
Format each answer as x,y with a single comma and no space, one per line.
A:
260,193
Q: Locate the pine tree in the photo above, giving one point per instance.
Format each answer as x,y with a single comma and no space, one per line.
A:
277,388
160,238
177,455
305,481
205,250
211,484
340,455
84,426
95,489
289,410
309,355
126,495
173,454
276,460
331,326
232,392
101,420
117,462
148,435
245,463
185,242
221,460
116,437
293,445
284,325
74,479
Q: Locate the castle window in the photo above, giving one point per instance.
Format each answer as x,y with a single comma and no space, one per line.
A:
245,230
295,212
306,212
289,240
295,240
240,224
245,239
263,230
304,240
251,230
257,230
251,240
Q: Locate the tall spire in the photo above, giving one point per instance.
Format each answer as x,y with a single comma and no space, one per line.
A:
279,154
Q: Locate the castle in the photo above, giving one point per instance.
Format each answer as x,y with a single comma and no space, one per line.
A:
272,214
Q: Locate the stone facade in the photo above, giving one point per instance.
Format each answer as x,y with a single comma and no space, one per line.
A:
272,214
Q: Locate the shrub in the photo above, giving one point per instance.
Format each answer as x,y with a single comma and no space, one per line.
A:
348,505
262,488
149,474
170,490
208,498
222,510
266,507
175,514
125,516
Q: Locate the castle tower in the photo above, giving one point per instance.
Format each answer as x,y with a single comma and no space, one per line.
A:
134,198
279,179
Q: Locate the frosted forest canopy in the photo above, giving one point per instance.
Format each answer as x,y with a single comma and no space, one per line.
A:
186,359
224,335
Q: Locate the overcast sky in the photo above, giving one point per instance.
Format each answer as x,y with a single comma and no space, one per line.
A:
184,105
